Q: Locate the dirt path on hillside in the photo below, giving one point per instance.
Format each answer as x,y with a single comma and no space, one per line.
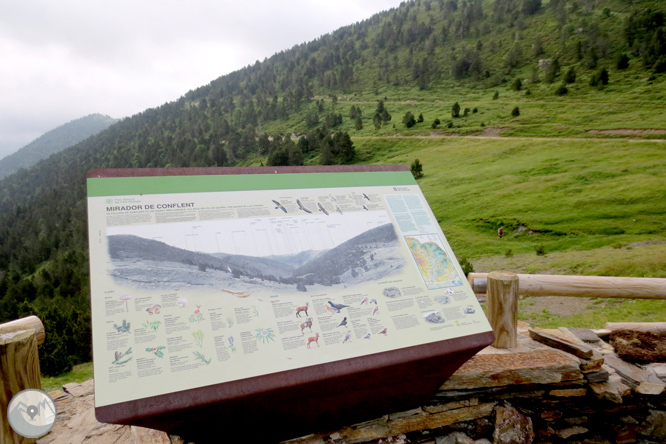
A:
434,135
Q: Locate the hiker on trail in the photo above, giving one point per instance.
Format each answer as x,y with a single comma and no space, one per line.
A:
500,232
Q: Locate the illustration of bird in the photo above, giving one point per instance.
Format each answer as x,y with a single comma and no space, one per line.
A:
365,208
279,205
347,336
321,208
376,311
367,336
364,301
373,301
337,208
344,322
383,332
337,307
366,196
331,310
333,198
301,207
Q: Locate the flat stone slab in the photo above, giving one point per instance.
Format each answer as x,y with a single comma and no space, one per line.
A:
541,366
76,422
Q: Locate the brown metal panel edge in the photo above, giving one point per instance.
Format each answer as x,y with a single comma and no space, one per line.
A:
212,171
305,400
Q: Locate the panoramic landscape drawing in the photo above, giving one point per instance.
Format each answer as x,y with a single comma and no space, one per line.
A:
152,264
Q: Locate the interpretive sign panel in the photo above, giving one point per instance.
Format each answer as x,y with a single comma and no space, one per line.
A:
204,277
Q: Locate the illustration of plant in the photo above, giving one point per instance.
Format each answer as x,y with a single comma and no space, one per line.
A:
231,343
255,311
197,316
202,358
123,328
121,357
157,351
198,337
154,325
265,335
230,321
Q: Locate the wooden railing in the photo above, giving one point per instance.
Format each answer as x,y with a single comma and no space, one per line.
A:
19,367
503,289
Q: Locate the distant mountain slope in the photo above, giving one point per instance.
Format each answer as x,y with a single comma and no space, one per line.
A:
54,141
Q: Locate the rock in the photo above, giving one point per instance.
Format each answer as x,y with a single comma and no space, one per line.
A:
142,435
581,351
600,376
606,391
568,393
511,427
77,390
585,334
543,366
571,431
655,425
631,375
433,421
437,408
651,388
455,438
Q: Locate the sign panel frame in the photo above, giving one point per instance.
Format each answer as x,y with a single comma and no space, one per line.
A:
230,267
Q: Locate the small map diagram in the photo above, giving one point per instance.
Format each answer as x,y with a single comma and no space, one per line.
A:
432,261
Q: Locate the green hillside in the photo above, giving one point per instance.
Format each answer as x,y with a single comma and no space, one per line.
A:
542,117
54,141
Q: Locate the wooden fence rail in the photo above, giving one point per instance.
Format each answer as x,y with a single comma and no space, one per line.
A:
580,286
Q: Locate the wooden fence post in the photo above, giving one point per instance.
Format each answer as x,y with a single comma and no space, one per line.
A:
19,367
502,307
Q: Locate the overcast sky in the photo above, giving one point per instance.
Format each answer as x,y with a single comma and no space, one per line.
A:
62,60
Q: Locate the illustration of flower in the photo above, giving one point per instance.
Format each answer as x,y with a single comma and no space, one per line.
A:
231,343
198,337
197,316
265,335
157,351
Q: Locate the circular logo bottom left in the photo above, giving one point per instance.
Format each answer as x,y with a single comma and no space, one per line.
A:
31,413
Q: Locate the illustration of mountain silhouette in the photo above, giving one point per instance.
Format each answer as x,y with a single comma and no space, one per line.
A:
41,422
152,264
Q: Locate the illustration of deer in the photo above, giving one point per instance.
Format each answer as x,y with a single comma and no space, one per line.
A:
306,324
302,308
312,339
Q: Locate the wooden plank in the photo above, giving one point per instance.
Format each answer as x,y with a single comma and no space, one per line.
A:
583,286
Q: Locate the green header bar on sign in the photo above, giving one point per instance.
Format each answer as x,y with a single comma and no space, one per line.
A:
127,186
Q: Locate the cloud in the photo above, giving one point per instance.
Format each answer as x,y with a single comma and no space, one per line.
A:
67,59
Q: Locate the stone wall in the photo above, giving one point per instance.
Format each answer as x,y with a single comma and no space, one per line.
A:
534,393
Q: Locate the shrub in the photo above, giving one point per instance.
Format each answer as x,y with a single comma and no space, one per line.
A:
515,112
509,253
517,85
562,90
570,76
475,110
540,250
496,95
622,61
420,119
466,266
409,120
455,110
417,169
